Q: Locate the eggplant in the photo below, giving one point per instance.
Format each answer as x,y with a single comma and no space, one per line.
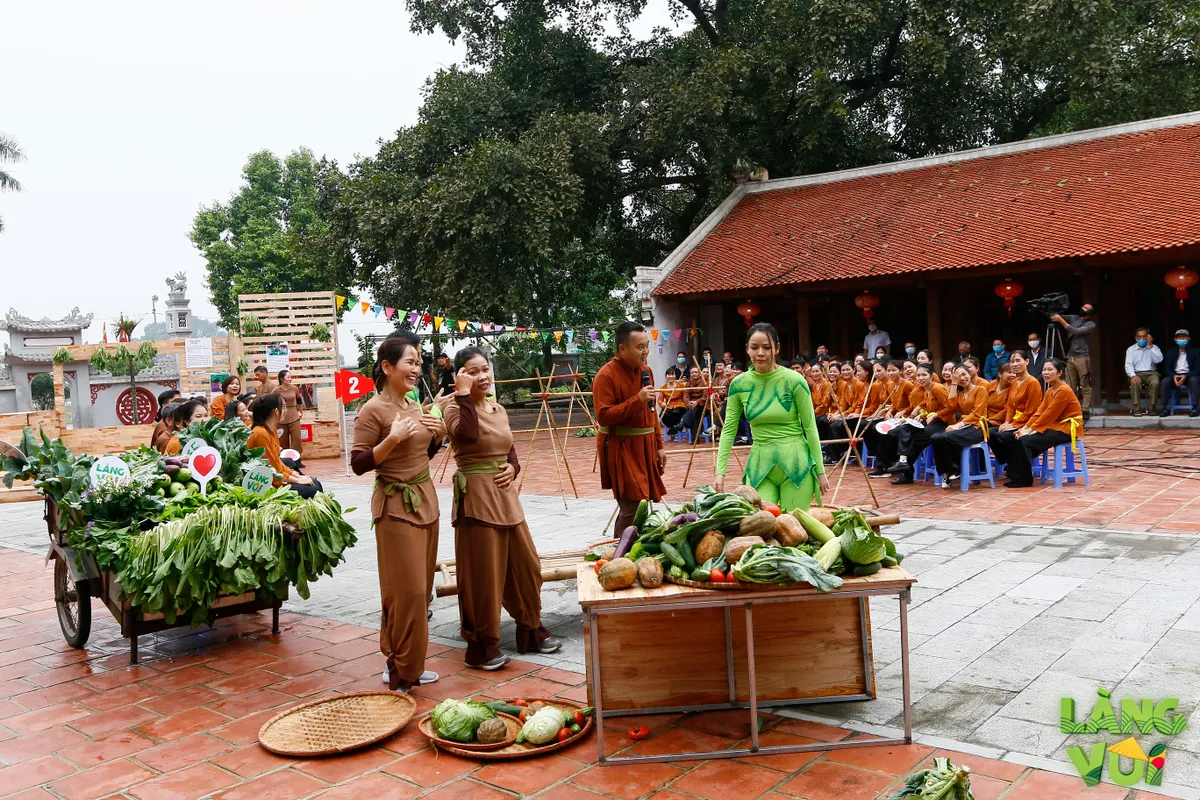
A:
173,461
171,469
627,539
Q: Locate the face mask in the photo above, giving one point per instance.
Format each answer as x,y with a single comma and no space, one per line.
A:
1182,342
681,361
1142,342
910,351
1033,344
997,348
872,328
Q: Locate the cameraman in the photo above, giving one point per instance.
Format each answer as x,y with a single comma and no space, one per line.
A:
1079,374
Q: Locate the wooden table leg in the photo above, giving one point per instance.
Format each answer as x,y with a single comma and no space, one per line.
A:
752,689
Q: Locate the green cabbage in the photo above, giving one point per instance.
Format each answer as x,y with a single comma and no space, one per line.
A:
862,545
457,720
542,727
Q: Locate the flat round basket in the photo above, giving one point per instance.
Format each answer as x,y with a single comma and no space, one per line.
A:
516,751
512,723
336,724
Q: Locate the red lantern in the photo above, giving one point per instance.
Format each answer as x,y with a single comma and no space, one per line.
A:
749,310
867,302
1010,290
1181,278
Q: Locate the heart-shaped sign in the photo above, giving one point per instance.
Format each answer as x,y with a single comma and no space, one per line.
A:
294,455
205,465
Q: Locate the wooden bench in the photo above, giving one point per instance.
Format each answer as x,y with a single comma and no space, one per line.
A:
560,566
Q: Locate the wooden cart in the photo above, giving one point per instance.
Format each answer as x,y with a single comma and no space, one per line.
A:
77,579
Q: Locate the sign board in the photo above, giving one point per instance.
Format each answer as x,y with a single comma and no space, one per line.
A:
351,385
306,432
259,480
277,358
205,465
109,467
192,446
214,382
198,353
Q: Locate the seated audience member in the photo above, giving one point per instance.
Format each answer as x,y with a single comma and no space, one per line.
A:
867,397
975,367
695,398
997,402
925,357
238,409
998,356
1181,368
1058,420
165,441
910,370
969,402
164,399
948,372
929,413
268,410
1142,361
680,370
674,403
895,407
964,350
822,351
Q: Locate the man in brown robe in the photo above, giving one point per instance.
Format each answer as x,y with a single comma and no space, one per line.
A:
630,440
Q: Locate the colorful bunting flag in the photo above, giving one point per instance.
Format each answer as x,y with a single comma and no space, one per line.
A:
593,334
425,319
558,336
607,335
678,334
499,329
340,301
388,313
437,323
413,317
462,325
364,306
570,337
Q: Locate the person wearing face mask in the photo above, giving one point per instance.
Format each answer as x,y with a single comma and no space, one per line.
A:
998,356
1181,367
1141,366
1080,328
910,349
876,340
1037,358
679,372
964,351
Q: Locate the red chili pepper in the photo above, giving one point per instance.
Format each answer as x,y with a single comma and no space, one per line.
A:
640,732
564,734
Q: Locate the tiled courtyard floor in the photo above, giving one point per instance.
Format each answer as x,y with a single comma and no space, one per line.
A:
81,724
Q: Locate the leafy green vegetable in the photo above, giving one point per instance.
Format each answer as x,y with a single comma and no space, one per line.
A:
542,727
229,437
457,720
764,564
860,543
944,782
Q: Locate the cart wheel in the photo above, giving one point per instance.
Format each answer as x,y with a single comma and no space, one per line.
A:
74,603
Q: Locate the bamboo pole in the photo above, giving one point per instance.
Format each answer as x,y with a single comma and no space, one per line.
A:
853,441
529,453
708,409
527,380
554,443
553,434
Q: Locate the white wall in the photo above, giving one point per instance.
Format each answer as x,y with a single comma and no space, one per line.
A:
104,410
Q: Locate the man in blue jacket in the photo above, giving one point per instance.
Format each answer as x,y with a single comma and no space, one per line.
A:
1181,367
998,356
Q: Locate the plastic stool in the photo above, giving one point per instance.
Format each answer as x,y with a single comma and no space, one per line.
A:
1174,391
968,476
925,467
1059,464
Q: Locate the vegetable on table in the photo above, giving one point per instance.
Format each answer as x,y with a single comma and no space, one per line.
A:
716,576
627,538
789,531
620,573
711,546
673,555
817,531
491,731
600,565
772,509
764,564
542,727
650,573
829,554
734,548
642,514
458,720
760,524
747,493
685,550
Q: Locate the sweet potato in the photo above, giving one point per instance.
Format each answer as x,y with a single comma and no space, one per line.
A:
736,546
789,531
710,546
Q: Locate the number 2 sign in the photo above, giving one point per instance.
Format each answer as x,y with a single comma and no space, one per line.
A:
351,385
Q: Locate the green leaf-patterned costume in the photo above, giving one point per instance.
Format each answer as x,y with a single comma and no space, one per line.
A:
786,457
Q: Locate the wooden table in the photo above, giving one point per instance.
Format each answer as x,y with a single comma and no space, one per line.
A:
682,649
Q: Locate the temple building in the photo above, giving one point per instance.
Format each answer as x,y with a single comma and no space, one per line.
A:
30,350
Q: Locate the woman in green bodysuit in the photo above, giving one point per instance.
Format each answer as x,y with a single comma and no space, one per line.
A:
785,463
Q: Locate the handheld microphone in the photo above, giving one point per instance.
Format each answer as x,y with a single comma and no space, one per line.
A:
646,382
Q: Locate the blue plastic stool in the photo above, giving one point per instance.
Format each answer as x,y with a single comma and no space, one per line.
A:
925,467
1174,391
1058,463
684,436
967,475
706,430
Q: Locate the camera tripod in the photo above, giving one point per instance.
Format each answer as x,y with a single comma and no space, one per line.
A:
1054,340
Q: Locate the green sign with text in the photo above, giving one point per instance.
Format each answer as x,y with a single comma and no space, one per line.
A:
1146,716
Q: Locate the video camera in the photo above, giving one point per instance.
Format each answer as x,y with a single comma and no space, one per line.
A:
1050,304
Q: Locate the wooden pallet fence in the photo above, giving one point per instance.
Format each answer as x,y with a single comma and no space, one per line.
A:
288,317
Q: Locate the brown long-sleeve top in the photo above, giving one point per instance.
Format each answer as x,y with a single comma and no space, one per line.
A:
822,397
845,395
628,464
997,402
167,443
408,459
898,394
291,403
219,405
268,440
676,397
159,427
875,396
1024,397
970,404
1058,407
928,402
477,435
697,389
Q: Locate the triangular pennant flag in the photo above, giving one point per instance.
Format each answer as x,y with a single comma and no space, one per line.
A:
558,336
377,309
413,317
389,313
545,336
593,334
487,327
653,334
533,334
364,307
340,301
462,325
425,319
522,328
606,334
499,329
570,337
437,323
678,334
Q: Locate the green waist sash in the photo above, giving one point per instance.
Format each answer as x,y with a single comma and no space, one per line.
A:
408,492
620,430
482,468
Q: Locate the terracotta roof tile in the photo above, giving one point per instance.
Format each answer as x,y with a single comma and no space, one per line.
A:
1130,192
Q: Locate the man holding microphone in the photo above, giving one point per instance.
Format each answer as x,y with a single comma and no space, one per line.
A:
629,443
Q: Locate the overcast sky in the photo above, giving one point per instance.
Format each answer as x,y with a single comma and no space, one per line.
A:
134,114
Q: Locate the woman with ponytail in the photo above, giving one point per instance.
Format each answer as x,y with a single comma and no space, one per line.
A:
396,438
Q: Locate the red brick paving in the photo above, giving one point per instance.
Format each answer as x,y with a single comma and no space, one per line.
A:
127,730
1133,487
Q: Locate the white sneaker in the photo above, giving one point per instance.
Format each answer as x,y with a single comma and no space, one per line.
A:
427,676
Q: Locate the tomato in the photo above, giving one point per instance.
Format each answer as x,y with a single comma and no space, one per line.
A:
578,717
600,564
520,702
564,734
717,576
639,732
774,509
524,716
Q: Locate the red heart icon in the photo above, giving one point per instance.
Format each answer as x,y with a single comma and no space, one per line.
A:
204,465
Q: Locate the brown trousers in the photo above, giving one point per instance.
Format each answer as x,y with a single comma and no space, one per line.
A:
497,567
291,436
407,559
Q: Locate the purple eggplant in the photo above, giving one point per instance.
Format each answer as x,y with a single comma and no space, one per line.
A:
628,537
683,519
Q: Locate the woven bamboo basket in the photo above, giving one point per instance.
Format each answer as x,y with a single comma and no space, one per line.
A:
336,724
510,722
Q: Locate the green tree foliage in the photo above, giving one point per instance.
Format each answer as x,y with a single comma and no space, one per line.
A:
10,153
41,390
272,235
566,150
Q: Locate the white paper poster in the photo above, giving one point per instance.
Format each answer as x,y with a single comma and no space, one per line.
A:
277,358
198,353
